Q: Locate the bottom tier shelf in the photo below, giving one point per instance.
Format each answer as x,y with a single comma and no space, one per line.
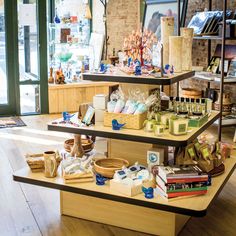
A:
191,206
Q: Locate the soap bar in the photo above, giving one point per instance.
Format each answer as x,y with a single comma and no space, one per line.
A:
100,101
99,115
178,126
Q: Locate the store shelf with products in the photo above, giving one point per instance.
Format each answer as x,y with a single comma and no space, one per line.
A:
136,135
122,77
212,37
180,206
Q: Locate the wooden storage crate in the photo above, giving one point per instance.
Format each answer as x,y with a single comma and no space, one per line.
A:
131,121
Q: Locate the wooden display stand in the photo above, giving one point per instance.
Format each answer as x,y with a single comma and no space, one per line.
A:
68,97
156,216
98,203
123,215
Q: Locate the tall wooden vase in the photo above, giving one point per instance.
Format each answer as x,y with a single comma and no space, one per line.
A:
175,52
167,29
187,34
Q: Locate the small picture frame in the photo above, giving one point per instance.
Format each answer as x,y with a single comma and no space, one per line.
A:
88,116
69,38
64,33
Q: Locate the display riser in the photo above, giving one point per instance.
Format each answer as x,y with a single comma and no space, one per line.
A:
122,215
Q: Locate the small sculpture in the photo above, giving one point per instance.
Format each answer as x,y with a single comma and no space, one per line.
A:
138,69
77,149
116,125
148,192
67,116
59,77
168,70
51,79
100,180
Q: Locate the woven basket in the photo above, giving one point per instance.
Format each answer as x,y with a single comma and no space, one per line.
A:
87,145
131,121
107,166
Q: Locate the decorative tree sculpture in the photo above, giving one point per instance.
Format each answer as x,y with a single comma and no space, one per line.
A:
138,45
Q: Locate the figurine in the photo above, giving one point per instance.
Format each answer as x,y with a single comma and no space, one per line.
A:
116,125
51,79
100,180
103,68
59,77
168,69
57,19
148,192
138,69
67,116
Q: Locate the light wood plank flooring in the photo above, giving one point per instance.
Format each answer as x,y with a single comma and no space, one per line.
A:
32,210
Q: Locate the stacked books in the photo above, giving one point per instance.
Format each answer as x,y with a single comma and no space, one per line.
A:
180,181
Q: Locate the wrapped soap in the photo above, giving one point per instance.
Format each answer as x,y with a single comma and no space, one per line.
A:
178,126
141,109
119,106
111,106
132,108
127,104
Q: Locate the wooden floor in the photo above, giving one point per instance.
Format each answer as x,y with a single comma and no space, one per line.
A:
32,210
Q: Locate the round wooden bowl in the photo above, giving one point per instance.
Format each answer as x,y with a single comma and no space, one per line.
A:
107,166
191,93
87,145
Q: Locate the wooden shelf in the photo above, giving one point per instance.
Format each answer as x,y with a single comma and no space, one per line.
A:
193,206
212,37
136,135
121,77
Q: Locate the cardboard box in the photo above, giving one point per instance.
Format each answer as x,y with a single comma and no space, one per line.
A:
127,190
99,115
100,101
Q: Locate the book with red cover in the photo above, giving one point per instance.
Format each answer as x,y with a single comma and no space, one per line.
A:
179,194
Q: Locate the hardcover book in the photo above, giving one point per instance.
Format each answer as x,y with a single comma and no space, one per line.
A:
180,172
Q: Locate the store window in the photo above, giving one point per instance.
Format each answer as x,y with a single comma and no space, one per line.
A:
3,77
69,35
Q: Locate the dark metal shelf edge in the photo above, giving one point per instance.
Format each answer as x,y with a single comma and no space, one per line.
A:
116,198
138,80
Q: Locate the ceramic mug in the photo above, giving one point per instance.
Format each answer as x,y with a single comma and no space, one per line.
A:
50,164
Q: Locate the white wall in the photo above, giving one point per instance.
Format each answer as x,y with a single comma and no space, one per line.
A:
98,11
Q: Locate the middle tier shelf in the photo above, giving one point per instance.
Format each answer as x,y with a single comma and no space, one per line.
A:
166,139
122,77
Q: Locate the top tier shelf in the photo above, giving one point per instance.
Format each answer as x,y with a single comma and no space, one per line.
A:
122,77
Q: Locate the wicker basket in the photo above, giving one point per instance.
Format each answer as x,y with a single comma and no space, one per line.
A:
131,121
87,145
107,166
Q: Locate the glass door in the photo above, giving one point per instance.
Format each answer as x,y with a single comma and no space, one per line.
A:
7,88
29,56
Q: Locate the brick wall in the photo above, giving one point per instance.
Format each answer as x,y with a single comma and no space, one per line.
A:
122,18
200,47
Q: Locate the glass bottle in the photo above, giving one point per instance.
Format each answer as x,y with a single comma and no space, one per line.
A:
183,108
203,106
177,103
171,105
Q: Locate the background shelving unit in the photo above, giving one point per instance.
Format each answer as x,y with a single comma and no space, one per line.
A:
222,121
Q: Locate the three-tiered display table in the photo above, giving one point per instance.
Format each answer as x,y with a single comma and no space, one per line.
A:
97,203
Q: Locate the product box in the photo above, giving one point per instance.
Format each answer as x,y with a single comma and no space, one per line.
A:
124,189
155,156
198,122
100,101
99,115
